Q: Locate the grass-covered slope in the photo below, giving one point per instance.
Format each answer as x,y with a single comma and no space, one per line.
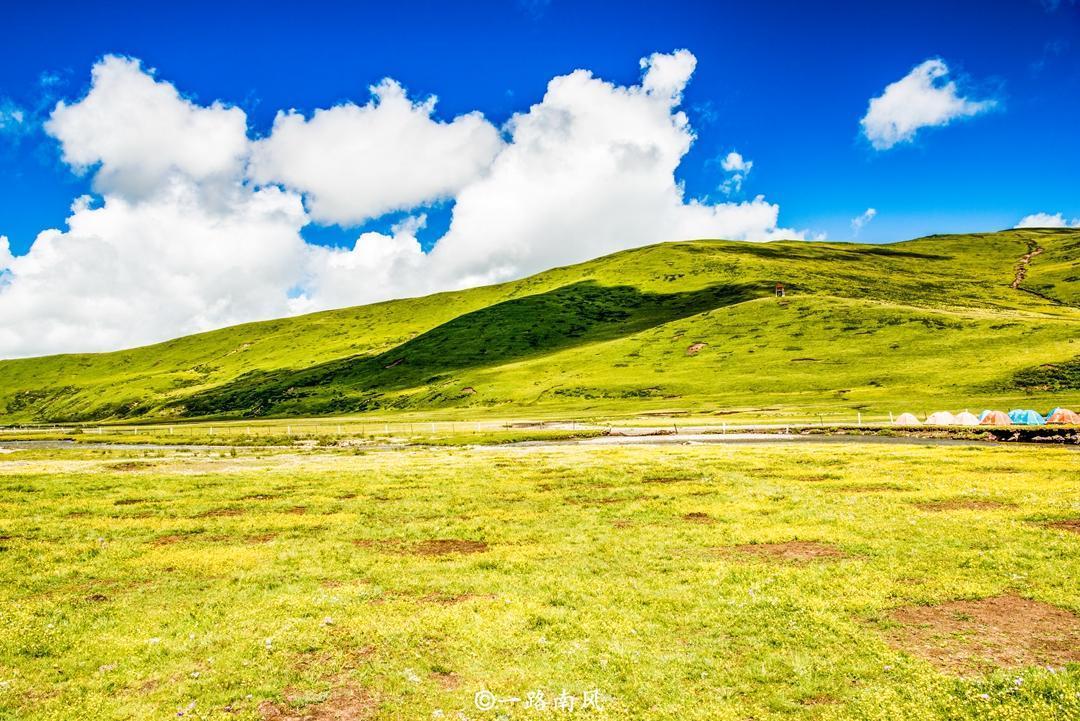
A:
916,325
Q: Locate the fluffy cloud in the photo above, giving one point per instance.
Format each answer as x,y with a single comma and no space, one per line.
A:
858,222
923,98
735,163
130,272
737,169
589,170
1046,220
140,133
6,258
377,267
666,75
355,162
194,225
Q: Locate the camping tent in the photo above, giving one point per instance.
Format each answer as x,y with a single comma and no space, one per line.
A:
1064,416
941,418
1026,418
994,418
966,419
907,419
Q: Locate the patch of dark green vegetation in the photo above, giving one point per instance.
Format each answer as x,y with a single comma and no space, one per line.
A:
1050,377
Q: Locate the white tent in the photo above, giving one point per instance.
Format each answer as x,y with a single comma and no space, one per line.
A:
907,419
966,419
942,418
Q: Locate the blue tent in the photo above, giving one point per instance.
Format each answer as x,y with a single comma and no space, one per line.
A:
1026,418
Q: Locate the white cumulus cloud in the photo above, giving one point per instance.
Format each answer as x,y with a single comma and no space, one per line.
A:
5,253
140,132
925,97
1046,220
131,272
860,221
377,267
195,225
589,170
356,162
666,74
737,169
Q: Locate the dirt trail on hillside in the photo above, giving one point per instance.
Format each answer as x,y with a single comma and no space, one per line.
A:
1022,265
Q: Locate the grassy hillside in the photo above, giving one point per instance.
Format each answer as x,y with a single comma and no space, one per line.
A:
918,325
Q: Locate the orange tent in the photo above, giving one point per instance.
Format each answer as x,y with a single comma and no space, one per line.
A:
1065,417
995,418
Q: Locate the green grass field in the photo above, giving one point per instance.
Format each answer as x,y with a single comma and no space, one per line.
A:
690,327
288,584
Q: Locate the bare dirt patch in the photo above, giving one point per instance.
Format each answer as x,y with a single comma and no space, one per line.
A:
447,680
972,637
130,501
167,540
130,466
345,703
790,551
962,504
442,599
667,479
822,699
250,539
816,477
372,543
1021,271
868,488
695,348
698,517
220,512
1069,524
447,547
432,547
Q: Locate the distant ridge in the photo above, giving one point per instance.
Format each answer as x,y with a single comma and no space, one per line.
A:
947,321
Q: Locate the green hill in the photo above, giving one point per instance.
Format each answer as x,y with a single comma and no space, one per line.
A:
689,326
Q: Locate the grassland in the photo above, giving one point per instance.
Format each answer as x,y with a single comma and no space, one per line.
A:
285,584
922,325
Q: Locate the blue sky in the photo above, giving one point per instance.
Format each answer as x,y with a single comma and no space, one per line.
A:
752,121
784,83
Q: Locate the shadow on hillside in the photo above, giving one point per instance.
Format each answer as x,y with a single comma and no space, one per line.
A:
786,252
510,331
